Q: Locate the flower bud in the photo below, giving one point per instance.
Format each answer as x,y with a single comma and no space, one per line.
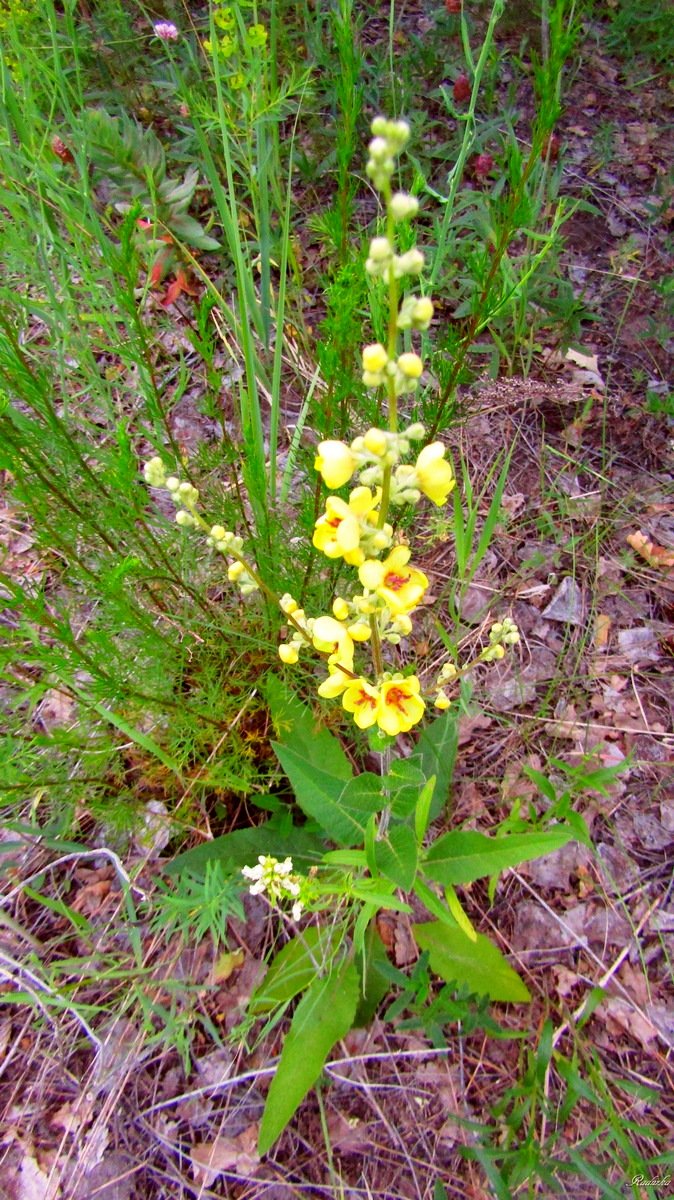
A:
380,249
172,483
184,518
218,533
376,442
340,608
287,604
289,652
378,149
422,313
411,263
416,432
402,205
411,365
442,700
375,358
155,473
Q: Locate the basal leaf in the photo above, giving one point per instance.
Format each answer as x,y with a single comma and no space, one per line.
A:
479,964
464,855
324,1015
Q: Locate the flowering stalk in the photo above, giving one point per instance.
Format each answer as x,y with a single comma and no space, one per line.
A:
388,588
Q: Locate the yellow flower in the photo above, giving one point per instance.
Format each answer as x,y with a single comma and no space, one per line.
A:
289,652
227,45
361,699
435,477
237,80
339,530
335,684
400,705
400,586
335,463
375,358
330,637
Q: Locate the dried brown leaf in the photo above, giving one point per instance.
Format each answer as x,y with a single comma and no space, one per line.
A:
238,1154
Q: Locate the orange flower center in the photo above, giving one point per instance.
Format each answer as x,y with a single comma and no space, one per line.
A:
365,698
395,582
396,697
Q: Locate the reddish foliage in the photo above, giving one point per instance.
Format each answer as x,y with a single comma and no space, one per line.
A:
61,150
462,88
482,165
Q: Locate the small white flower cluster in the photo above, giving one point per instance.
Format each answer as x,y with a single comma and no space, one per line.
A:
275,880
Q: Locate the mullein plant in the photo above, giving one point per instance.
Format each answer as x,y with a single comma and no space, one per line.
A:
379,823
387,588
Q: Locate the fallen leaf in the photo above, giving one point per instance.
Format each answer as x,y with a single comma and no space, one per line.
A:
566,605
237,1154
227,964
656,556
588,365
621,1016
602,627
35,1184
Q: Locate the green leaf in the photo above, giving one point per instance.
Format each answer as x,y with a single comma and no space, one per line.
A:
459,913
294,968
422,812
324,1015
403,784
463,855
374,983
435,754
341,809
396,856
297,726
479,965
241,848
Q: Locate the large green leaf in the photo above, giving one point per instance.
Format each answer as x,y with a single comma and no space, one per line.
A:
340,808
374,983
294,967
297,726
464,855
435,754
477,964
242,848
396,856
324,1015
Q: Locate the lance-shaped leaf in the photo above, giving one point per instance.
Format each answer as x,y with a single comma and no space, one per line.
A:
464,855
479,964
324,1015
